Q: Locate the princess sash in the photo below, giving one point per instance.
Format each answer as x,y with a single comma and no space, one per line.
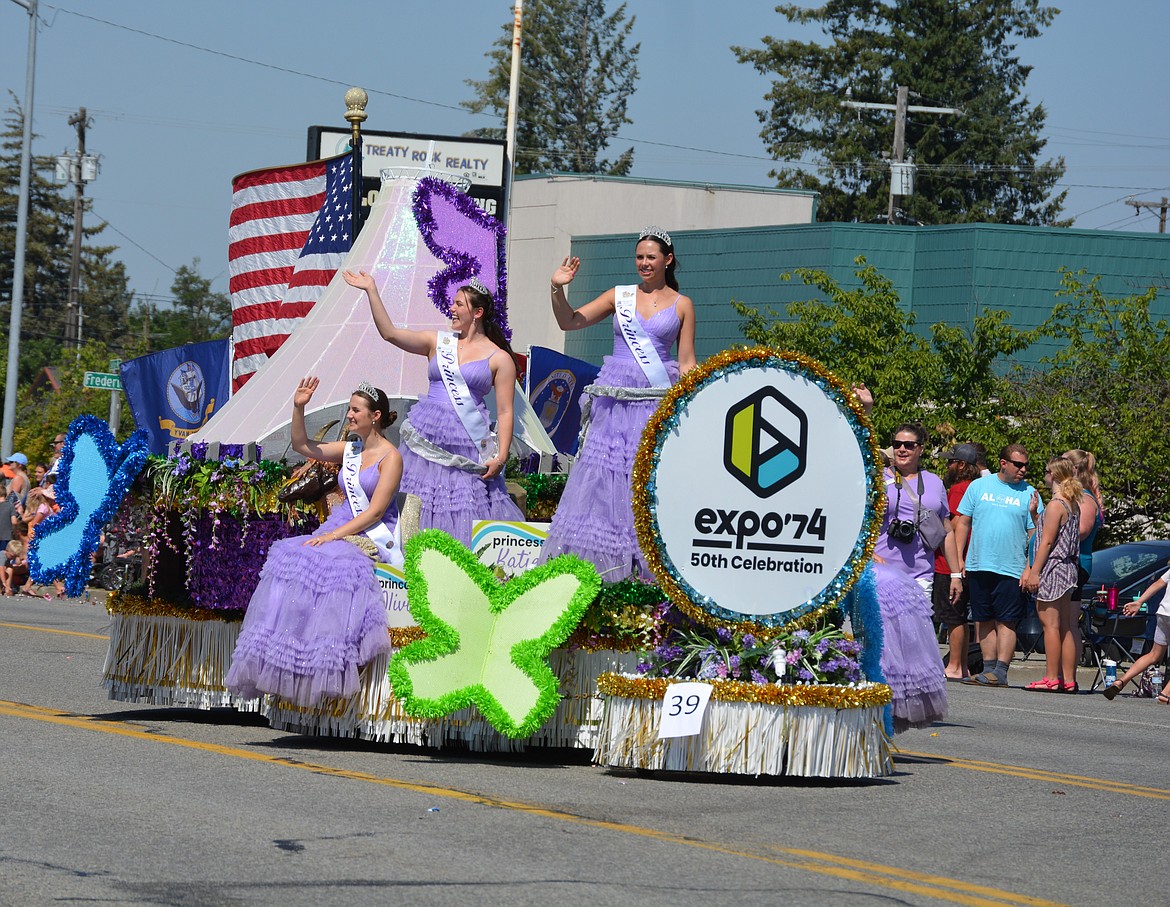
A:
625,304
389,548
474,423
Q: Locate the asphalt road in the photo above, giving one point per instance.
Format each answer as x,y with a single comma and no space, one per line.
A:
1018,798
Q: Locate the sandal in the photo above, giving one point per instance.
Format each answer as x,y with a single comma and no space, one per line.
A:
1044,685
1071,688
1164,699
1113,689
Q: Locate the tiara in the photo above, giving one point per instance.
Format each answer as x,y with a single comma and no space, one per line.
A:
657,233
479,286
369,390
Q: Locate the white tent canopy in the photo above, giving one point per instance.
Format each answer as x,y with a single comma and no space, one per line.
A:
338,343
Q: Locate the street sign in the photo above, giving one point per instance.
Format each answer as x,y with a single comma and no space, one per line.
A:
102,381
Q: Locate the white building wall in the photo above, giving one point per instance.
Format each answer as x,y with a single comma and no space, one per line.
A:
548,211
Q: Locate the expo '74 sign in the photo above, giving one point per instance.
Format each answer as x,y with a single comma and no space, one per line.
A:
757,494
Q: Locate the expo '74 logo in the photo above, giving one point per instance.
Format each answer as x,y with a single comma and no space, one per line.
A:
765,442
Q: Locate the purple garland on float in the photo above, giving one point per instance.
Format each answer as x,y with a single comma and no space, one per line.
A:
465,238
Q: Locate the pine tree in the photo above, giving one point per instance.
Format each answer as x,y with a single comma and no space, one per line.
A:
577,75
983,165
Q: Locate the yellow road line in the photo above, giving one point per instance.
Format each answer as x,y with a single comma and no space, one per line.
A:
1037,774
885,877
51,630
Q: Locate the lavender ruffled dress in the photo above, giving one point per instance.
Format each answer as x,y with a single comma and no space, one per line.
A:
316,615
452,499
595,519
910,656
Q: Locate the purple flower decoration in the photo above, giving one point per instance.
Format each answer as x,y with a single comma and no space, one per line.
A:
723,633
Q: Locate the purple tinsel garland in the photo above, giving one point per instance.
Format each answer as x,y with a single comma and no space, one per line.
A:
451,242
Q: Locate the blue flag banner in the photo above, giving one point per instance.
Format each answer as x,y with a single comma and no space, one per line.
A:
174,392
555,382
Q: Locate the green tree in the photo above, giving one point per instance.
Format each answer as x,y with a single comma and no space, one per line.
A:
577,72
1106,390
956,382
42,412
860,334
195,315
104,295
980,166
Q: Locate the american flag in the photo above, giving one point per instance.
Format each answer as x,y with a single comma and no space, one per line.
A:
290,230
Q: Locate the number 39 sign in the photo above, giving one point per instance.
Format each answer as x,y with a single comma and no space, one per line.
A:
683,705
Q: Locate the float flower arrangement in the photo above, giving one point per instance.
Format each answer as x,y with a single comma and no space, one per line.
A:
821,656
224,513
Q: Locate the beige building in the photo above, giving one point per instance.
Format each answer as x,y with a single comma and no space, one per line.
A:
548,211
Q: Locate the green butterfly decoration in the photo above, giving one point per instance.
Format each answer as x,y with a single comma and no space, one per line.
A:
487,643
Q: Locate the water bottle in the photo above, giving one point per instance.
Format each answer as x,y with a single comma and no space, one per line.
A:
1156,680
1112,599
1110,671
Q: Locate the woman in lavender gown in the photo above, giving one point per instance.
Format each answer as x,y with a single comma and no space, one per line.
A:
451,458
318,612
595,519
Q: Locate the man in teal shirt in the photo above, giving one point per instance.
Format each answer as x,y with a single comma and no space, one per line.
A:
995,514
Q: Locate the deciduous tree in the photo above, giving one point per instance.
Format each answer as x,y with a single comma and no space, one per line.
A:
577,72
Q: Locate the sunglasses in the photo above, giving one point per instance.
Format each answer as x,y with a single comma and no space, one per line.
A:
898,445
1018,464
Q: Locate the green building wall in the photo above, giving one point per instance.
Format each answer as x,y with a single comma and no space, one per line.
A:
946,273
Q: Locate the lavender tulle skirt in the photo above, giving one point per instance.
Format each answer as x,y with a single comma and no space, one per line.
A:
451,498
317,614
595,519
910,656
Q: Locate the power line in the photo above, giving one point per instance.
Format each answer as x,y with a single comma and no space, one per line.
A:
240,59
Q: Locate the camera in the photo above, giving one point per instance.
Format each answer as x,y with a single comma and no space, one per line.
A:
902,530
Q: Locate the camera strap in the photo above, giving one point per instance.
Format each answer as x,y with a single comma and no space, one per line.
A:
917,500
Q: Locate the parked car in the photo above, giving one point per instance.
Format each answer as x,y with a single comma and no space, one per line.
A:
1130,567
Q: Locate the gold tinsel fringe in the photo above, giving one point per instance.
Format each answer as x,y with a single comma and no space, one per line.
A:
375,714
862,696
171,661
141,606
749,738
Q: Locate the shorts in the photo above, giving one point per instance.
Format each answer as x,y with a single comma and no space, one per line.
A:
1162,630
995,597
940,596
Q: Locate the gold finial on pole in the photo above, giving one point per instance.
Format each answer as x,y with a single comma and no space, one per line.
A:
355,110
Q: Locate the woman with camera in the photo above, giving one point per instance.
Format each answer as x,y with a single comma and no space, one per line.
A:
917,522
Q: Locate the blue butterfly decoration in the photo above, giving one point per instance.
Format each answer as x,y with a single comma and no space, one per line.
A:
92,478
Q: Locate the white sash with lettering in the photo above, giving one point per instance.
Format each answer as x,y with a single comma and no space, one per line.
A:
389,548
626,306
476,426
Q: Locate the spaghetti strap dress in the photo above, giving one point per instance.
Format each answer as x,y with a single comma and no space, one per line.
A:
1060,569
317,614
452,498
595,519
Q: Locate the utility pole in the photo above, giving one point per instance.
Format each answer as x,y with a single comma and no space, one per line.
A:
1161,206
901,176
72,325
12,375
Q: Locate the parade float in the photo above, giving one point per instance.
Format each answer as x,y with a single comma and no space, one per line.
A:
735,661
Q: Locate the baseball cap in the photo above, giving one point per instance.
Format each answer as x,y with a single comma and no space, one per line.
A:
965,452
18,458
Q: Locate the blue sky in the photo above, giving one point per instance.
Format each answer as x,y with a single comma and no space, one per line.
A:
178,110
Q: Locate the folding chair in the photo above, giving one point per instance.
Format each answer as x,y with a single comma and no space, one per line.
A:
1112,635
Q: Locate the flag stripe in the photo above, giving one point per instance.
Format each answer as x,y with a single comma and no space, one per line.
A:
287,235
